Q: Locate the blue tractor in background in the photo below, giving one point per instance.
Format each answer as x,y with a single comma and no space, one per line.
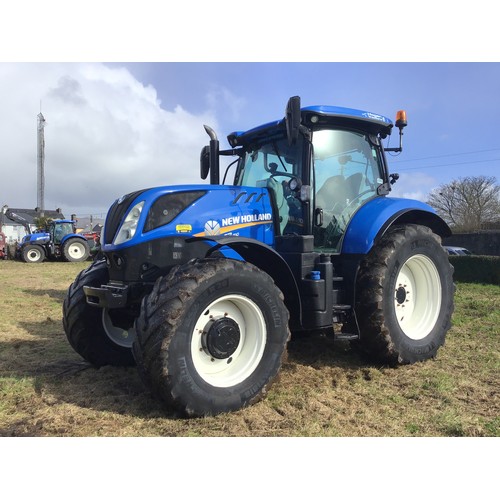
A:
58,241
203,285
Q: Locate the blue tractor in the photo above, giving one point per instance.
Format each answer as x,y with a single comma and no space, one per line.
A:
203,285
58,241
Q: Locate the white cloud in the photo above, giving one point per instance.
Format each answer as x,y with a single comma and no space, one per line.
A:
414,185
106,134
221,99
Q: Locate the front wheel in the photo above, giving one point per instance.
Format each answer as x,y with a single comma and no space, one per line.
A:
93,332
212,336
33,254
405,296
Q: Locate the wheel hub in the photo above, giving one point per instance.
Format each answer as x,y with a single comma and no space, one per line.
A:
400,295
221,337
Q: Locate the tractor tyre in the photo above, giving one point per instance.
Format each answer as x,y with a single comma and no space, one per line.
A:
33,254
90,329
75,250
212,336
404,296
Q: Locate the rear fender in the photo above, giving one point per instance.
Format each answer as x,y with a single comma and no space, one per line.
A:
373,220
72,235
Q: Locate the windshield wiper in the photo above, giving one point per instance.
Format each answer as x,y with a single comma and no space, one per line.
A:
278,155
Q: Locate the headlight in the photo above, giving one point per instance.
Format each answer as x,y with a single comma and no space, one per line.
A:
129,226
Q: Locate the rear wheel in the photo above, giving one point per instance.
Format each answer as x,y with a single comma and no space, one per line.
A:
92,331
76,250
212,336
405,296
33,254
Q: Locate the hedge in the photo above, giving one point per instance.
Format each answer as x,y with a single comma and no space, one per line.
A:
476,268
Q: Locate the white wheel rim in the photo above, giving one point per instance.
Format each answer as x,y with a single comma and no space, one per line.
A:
76,250
417,297
249,351
34,255
121,337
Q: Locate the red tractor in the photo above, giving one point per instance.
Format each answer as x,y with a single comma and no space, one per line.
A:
3,246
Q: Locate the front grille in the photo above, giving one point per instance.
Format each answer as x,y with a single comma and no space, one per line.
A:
116,214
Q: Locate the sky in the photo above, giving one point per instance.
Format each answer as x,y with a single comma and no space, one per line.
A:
125,91
115,127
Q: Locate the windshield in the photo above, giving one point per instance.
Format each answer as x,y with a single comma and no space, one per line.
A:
347,172
272,165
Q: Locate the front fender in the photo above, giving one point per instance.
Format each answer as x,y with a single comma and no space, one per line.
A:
373,219
265,258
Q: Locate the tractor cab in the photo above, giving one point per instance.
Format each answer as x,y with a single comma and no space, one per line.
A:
58,229
319,176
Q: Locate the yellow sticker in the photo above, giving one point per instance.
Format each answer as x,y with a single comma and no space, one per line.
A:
183,228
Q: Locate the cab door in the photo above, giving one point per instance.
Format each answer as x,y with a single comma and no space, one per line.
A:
347,172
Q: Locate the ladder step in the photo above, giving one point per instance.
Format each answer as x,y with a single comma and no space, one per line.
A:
341,307
345,336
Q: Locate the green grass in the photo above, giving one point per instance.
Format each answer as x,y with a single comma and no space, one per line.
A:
325,389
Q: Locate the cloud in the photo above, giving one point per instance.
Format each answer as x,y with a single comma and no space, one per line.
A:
414,185
221,99
106,134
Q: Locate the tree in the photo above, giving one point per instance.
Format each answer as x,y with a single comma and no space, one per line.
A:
43,223
469,203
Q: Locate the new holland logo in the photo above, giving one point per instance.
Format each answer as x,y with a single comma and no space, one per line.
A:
229,225
212,227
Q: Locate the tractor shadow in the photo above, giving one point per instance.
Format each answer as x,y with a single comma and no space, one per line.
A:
320,350
59,375
335,358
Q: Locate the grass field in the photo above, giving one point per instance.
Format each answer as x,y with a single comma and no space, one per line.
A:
46,389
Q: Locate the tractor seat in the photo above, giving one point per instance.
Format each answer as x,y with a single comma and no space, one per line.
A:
331,193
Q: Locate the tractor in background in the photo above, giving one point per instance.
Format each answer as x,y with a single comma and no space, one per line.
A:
202,285
59,241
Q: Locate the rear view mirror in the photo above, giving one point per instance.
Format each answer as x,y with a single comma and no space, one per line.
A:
204,162
292,119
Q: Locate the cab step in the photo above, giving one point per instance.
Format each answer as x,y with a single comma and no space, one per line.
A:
340,308
345,336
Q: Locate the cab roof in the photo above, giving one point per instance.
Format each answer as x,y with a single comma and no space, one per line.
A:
316,117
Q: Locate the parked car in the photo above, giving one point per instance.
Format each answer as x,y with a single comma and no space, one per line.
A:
458,251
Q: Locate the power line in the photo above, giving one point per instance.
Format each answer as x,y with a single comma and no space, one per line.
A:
452,154
449,164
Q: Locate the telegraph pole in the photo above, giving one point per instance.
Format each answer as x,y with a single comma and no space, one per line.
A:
40,199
